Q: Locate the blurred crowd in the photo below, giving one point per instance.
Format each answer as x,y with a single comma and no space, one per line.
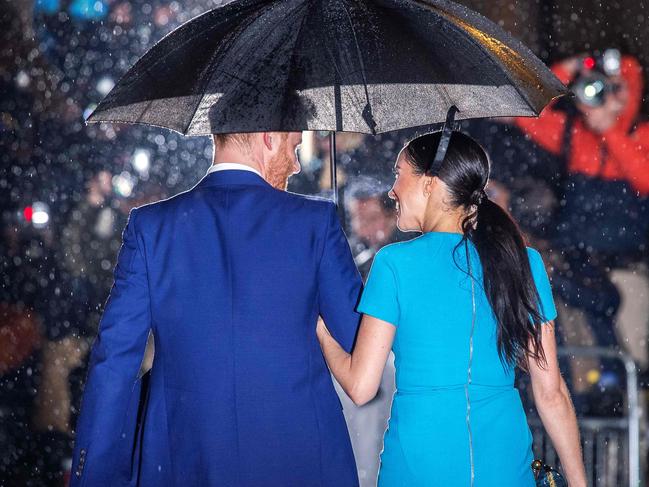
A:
576,179
65,193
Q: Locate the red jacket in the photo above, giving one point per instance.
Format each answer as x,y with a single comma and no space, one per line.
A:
628,154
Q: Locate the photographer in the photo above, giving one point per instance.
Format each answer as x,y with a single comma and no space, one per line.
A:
606,141
602,218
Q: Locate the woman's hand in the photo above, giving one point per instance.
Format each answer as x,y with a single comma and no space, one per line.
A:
321,330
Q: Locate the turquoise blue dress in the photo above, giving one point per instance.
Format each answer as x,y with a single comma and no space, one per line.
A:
433,438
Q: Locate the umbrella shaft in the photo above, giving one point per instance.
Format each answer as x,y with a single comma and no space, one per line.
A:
332,158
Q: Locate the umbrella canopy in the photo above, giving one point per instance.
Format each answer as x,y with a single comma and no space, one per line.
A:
368,66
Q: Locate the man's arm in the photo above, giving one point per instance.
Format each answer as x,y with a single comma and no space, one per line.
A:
339,283
106,426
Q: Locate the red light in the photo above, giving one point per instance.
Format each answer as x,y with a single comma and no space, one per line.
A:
28,213
589,63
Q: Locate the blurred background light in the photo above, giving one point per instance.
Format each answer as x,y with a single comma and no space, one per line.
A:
40,214
27,213
141,161
22,79
104,85
124,183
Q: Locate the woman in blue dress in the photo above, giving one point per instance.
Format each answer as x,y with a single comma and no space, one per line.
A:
461,306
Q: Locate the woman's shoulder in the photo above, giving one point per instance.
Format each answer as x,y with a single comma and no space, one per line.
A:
390,251
426,244
397,250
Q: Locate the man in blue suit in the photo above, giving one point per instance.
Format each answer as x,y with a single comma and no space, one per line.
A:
230,277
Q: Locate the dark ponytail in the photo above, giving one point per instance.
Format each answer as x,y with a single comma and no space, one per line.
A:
507,276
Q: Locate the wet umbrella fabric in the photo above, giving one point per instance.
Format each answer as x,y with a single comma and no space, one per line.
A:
368,66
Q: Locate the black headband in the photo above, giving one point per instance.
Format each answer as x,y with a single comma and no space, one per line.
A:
445,139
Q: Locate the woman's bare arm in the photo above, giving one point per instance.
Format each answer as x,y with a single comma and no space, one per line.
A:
359,373
556,410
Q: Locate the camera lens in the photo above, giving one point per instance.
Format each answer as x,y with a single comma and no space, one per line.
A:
590,91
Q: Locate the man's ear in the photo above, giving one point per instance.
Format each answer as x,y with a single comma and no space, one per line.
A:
268,140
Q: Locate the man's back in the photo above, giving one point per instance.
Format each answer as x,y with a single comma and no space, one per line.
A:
231,277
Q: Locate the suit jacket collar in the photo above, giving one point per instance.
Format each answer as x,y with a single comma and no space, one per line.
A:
233,177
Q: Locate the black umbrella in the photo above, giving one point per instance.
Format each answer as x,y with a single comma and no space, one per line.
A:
367,66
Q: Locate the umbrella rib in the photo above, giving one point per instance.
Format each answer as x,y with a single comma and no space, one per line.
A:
217,11
358,51
240,79
496,60
453,20
367,111
177,47
362,65
231,37
292,61
226,39
337,91
507,75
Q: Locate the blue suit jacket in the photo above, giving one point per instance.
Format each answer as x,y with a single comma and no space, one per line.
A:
230,276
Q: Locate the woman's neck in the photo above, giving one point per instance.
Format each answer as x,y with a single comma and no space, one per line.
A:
450,222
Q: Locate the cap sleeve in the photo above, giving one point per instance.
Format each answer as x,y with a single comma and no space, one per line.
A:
379,298
548,310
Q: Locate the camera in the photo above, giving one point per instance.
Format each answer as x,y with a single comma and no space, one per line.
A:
593,83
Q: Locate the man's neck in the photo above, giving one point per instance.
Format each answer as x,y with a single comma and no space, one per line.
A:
225,166
230,155
251,165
